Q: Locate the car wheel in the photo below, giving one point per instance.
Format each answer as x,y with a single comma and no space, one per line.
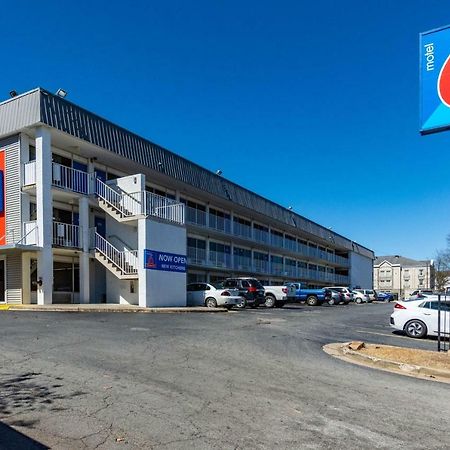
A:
210,302
312,301
358,300
242,304
331,302
415,329
270,301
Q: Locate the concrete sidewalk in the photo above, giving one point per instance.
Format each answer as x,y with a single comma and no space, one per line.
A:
109,308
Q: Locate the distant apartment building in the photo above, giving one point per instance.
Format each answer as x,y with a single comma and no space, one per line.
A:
401,275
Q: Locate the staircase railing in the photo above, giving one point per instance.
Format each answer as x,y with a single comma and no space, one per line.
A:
126,261
164,208
125,204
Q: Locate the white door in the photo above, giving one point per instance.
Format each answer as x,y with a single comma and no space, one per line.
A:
429,315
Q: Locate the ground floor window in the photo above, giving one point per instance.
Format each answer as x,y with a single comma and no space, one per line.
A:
216,278
66,276
196,278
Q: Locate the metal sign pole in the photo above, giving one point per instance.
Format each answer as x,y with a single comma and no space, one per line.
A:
439,322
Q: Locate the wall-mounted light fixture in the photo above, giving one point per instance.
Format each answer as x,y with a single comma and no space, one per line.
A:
61,93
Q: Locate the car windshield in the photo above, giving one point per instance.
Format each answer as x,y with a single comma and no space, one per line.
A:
218,285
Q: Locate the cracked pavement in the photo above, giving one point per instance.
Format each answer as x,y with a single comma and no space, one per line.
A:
241,380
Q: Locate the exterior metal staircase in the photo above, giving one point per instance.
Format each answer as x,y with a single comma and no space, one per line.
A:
120,205
123,264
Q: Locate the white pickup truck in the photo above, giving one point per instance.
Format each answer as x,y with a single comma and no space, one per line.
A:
277,296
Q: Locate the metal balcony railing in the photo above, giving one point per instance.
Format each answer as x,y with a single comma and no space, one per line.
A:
66,235
29,173
261,266
29,233
195,216
72,179
219,223
261,236
196,256
242,230
163,207
218,259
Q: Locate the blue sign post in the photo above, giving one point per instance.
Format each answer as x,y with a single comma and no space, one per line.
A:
435,80
168,262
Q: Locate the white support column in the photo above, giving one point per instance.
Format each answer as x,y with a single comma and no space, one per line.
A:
232,259
91,170
83,205
142,272
26,277
208,241
44,213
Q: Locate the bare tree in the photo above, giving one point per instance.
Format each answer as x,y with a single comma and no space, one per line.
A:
442,267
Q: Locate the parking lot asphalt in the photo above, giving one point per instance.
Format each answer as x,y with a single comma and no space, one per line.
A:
245,379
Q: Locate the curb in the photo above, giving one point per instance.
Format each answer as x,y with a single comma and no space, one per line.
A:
19,308
341,351
4,307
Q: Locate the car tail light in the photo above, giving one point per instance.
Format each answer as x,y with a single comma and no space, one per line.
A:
225,294
398,306
252,289
284,290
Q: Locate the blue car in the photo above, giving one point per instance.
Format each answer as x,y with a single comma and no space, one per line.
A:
385,297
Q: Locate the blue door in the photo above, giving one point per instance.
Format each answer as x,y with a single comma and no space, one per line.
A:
100,226
101,175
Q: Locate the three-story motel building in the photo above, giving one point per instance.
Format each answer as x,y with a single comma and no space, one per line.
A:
92,213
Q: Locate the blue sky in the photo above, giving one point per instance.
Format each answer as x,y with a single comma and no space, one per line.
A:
311,104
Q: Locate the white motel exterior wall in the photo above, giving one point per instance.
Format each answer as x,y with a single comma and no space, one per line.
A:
51,252
361,273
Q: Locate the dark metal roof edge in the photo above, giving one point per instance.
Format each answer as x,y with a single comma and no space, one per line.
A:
199,167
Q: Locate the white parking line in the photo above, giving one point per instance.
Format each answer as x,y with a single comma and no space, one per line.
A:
384,334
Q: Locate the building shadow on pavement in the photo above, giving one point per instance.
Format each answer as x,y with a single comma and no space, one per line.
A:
11,439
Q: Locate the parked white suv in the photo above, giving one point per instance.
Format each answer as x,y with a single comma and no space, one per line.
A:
359,297
369,292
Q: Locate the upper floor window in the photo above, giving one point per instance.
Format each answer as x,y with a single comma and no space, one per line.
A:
31,153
